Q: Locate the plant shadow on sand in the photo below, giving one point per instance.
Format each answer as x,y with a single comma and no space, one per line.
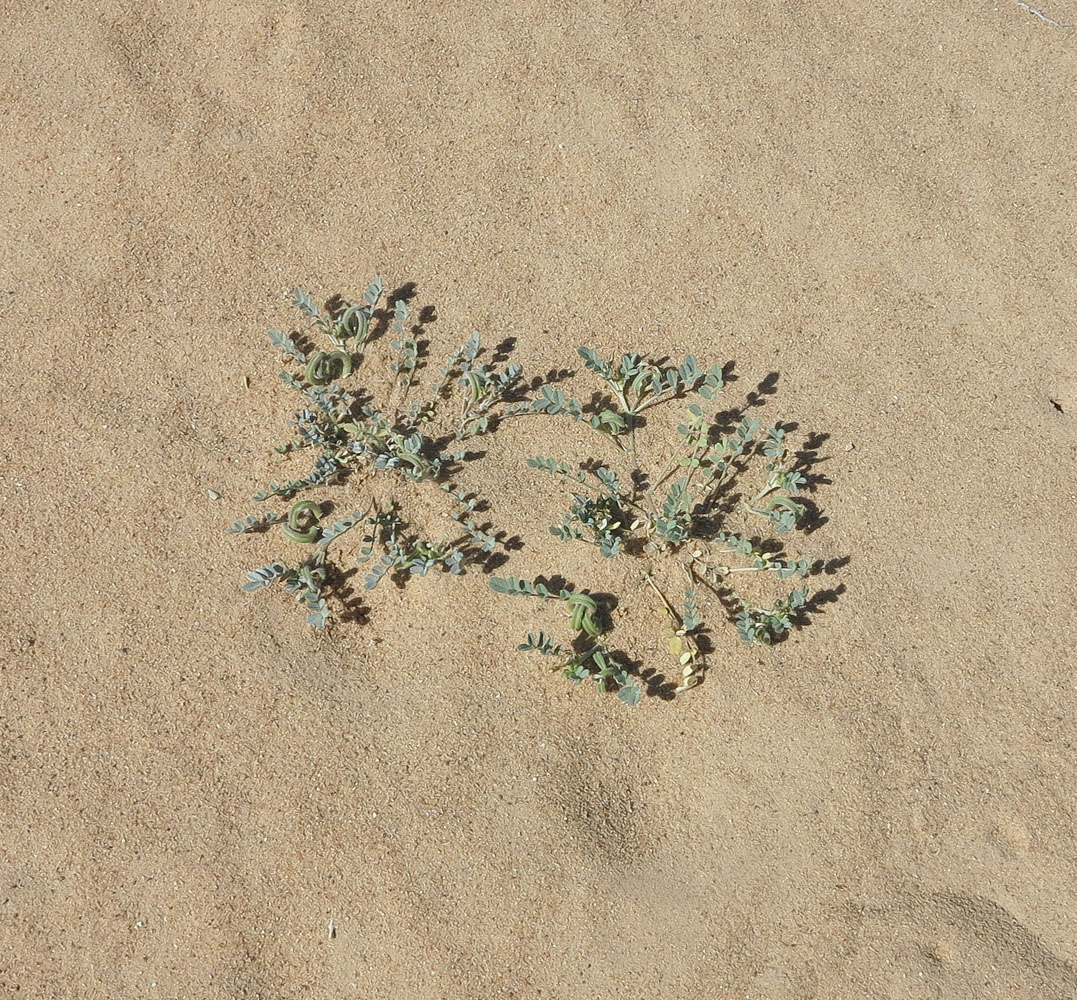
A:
694,531
695,520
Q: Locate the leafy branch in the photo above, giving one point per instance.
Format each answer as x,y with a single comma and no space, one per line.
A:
352,437
587,657
681,635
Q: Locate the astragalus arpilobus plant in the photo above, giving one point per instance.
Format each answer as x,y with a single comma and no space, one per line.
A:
353,428
682,520
693,526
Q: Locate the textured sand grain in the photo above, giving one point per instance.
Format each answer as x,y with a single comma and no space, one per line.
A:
874,202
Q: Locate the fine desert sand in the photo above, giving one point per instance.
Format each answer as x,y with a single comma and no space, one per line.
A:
868,207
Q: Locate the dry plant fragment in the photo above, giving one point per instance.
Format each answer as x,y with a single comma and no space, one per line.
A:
680,640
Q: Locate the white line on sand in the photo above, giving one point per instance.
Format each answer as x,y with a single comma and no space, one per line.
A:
1037,13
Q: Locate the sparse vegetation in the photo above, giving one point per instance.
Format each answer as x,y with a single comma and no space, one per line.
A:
690,527
586,657
674,517
352,436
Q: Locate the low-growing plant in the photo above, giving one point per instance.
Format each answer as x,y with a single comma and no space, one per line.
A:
682,634
675,516
401,553
636,384
352,436
586,657
692,521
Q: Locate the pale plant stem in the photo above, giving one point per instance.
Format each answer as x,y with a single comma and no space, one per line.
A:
691,473
770,488
695,453
654,402
669,470
727,570
714,483
662,478
630,415
662,597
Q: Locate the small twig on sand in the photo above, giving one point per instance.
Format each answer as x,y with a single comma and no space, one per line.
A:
1038,13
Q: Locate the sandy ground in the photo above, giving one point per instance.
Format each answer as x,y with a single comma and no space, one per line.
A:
873,201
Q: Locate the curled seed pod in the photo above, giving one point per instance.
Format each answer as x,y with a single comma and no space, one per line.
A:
302,523
584,601
582,608
474,387
325,367
416,463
